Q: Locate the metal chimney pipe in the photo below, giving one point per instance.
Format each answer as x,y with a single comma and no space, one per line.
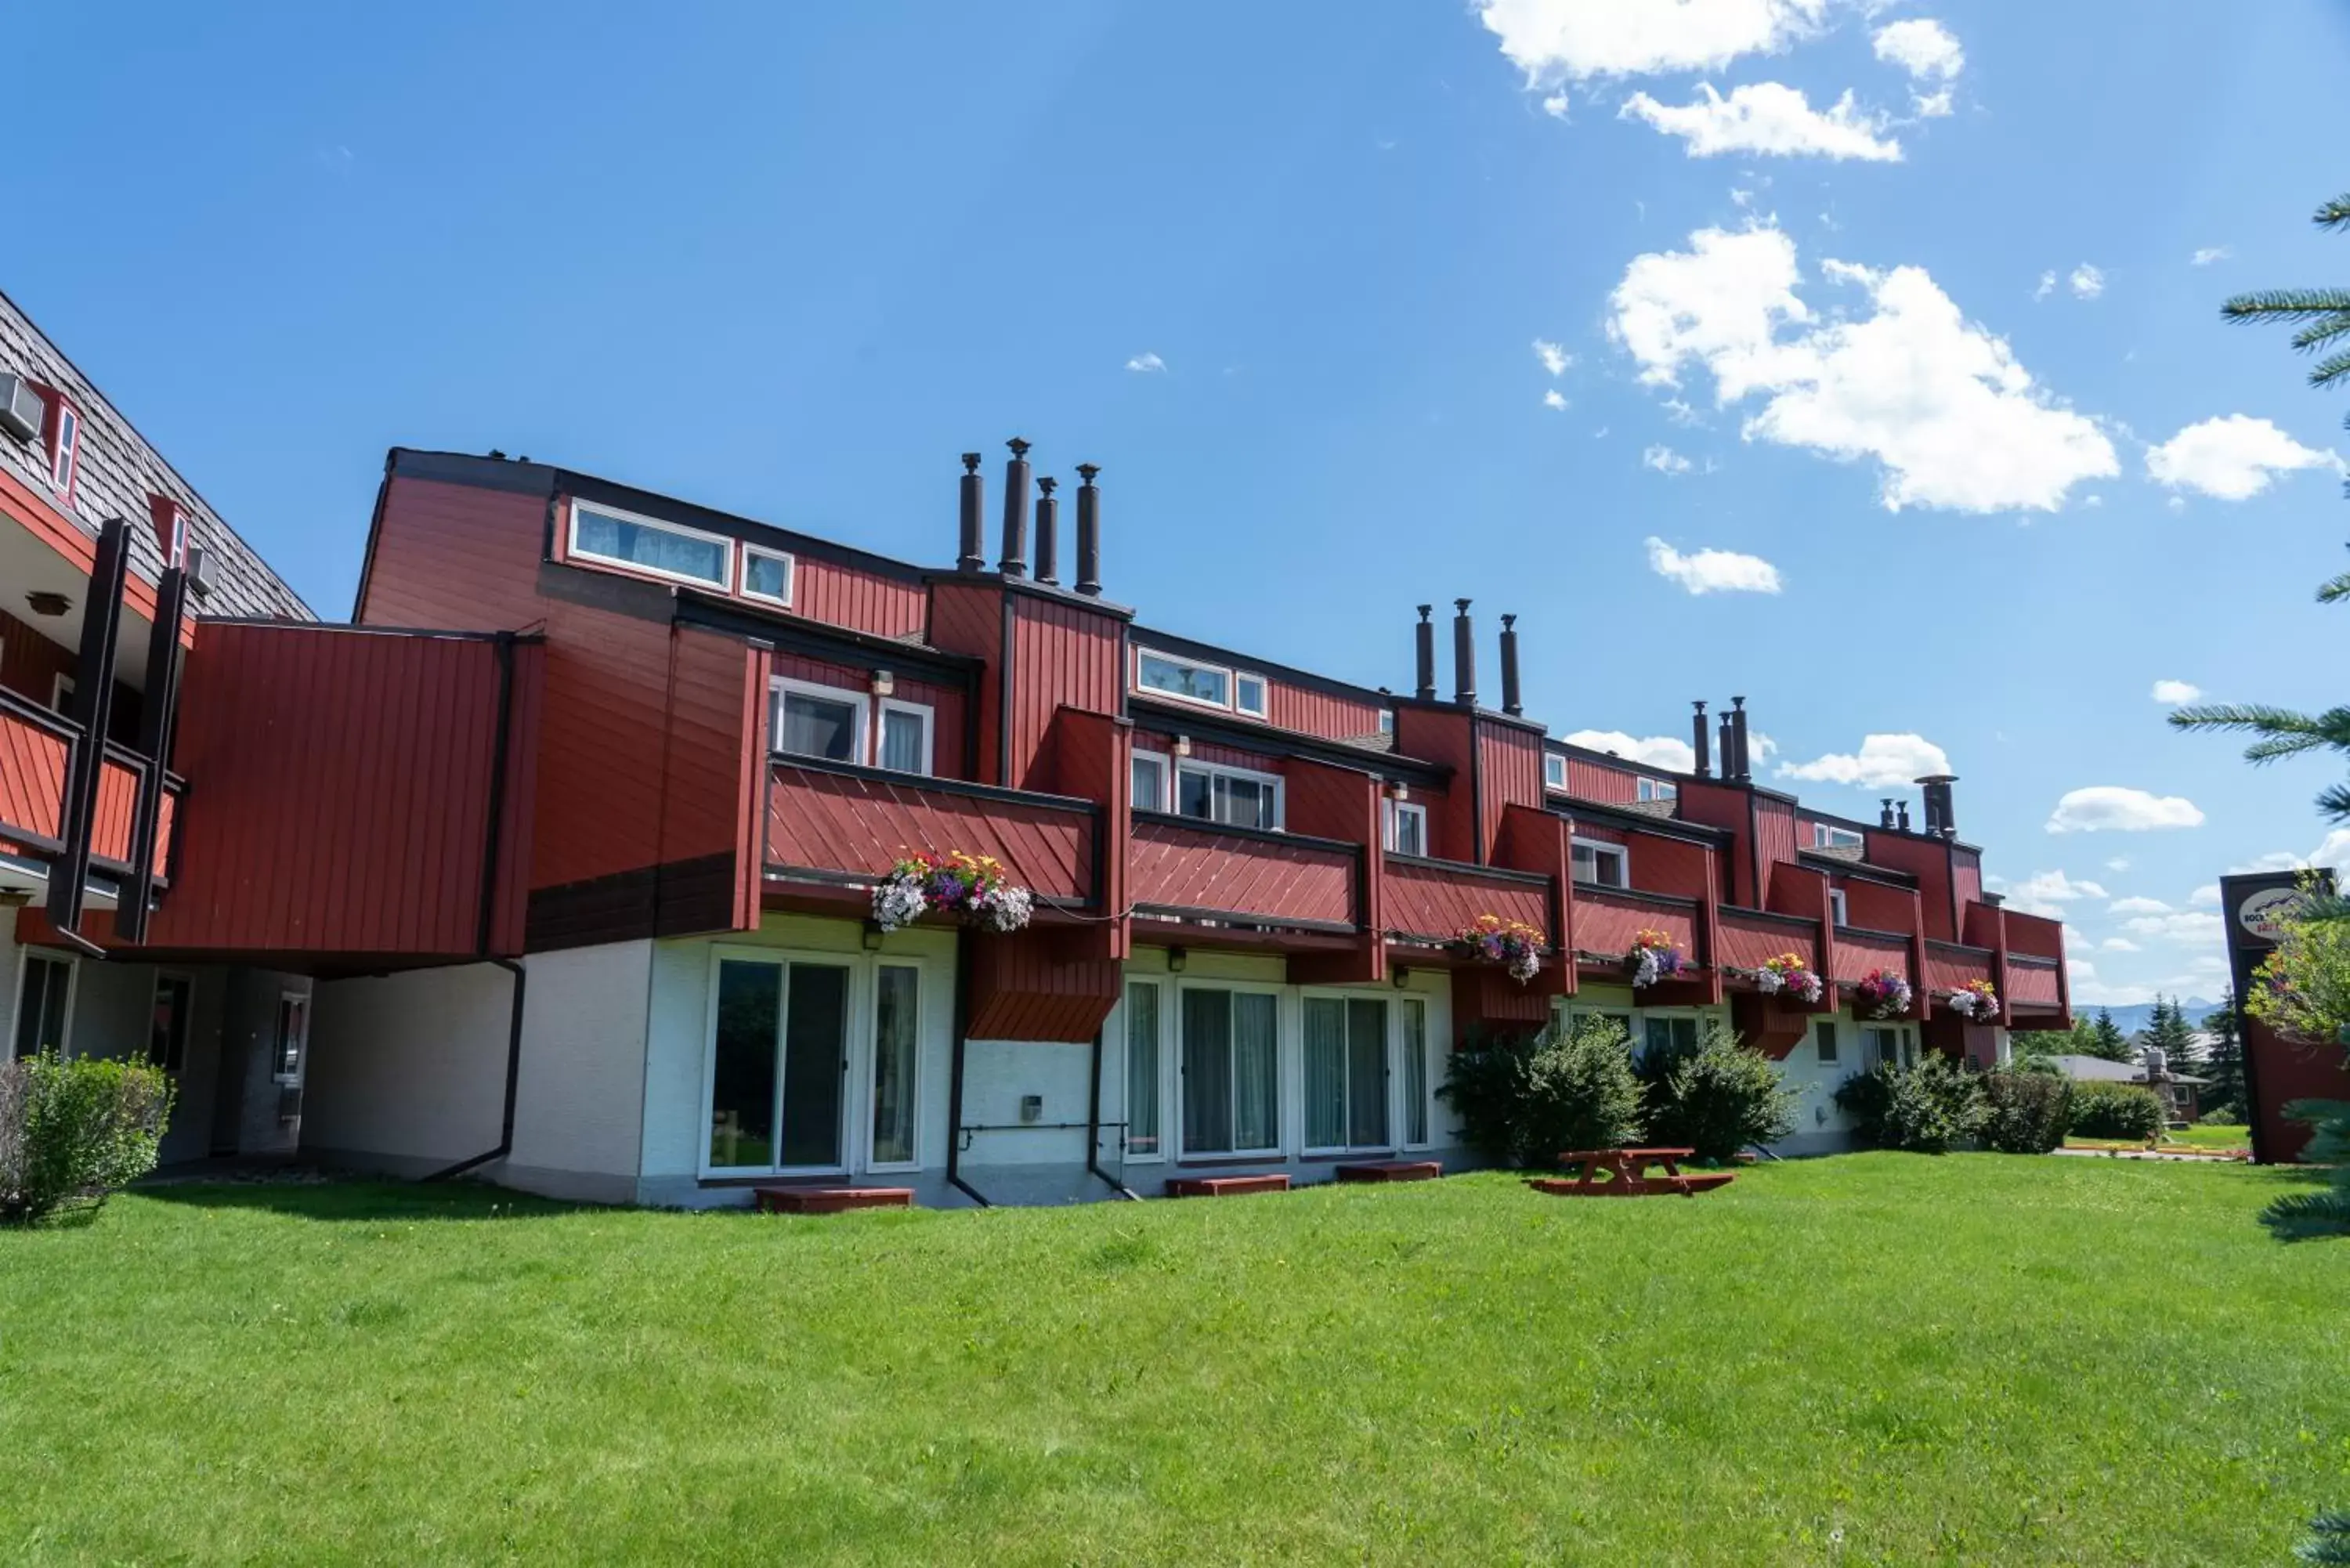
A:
1903,823
1048,531
1698,742
1746,764
1939,818
972,555
1424,649
1885,814
1015,563
1088,532
1727,733
1464,656
1510,694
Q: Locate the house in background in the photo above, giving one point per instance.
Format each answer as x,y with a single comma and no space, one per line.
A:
556,865
2179,1090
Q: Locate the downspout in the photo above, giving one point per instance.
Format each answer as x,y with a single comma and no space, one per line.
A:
954,1079
513,1077
1093,1128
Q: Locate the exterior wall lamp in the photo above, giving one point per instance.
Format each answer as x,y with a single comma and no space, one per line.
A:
884,684
1183,749
1177,959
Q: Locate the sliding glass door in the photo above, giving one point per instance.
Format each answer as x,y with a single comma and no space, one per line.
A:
1231,1073
778,1065
1345,1073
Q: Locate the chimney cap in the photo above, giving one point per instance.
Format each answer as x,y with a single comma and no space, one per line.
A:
1460,605
1508,622
1047,484
1738,701
1698,703
1425,610
970,463
1085,471
1937,779
1019,448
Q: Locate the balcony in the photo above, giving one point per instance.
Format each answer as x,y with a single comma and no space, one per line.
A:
1750,938
1430,900
1182,869
1952,966
37,748
1857,951
833,830
1607,920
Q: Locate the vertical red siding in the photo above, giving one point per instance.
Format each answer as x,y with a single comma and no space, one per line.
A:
1775,838
968,618
1725,806
1599,782
1509,772
1063,656
1930,861
840,593
32,776
1313,711
1443,735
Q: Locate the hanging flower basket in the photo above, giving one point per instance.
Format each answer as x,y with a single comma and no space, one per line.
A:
1789,975
1882,993
1514,944
1653,957
1975,1001
972,887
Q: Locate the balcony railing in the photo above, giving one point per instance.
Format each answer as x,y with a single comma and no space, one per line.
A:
1607,920
1857,951
834,825
2032,983
1749,937
1432,900
1185,869
1950,966
36,747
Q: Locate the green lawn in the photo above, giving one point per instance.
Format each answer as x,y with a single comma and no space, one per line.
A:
2215,1136
1878,1359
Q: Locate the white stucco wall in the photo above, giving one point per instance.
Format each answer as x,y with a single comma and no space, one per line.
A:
579,1098
407,1071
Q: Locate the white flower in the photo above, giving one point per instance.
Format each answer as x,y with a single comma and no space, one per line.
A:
1769,982
898,902
1524,963
1644,972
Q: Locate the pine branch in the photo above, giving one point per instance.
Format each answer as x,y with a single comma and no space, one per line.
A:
2308,1216
2329,1541
2320,332
2327,371
2287,305
2334,214
2333,803
2296,731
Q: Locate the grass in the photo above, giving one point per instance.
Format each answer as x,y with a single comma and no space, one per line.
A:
1875,1358
2215,1138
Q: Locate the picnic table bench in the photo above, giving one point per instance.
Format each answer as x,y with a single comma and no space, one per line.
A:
1626,1173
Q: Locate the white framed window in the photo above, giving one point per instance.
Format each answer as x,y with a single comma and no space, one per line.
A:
1554,771
290,1039
1622,1021
1826,836
1345,1073
1416,1076
1893,1046
1658,789
1230,1068
64,447
1823,1038
812,720
1185,679
903,742
1405,825
1836,907
1666,1034
1236,797
767,575
61,691
43,1017
619,538
1145,1049
1386,720
1602,865
1249,695
897,1077
1151,785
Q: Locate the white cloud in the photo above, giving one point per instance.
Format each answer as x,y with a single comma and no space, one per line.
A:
2173,693
2208,255
2087,281
2055,887
2120,945
2188,926
2103,808
2137,906
1922,46
2206,896
1555,106
1146,363
1554,358
2333,850
1940,403
1664,460
1657,750
2119,863
1767,117
1553,399
2047,287
1882,762
1578,39
2233,459
1714,571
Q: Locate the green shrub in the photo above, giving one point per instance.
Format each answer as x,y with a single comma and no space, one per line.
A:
2026,1112
1524,1099
1716,1097
71,1131
1924,1109
2102,1109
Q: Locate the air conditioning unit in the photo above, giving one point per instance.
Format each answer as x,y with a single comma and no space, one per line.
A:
22,411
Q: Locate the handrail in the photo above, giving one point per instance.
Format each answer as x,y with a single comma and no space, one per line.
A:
1939,945
1807,923
1637,895
40,717
1868,935
1463,867
1261,835
2033,960
996,793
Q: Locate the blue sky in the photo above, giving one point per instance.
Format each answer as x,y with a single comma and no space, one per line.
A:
1918,387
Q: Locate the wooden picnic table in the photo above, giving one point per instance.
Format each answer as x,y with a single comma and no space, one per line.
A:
1626,1173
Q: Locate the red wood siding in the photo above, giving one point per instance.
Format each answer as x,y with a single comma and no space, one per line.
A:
1775,838
1441,735
1180,867
1438,901
945,702
1607,920
29,663
1725,806
1875,907
826,821
1662,865
1064,655
1094,760
1855,956
344,795
2032,983
840,593
2034,935
1950,968
1599,782
1023,987
1929,860
1312,711
1749,940
1509,772
32,776
968,618
1484,993
117,801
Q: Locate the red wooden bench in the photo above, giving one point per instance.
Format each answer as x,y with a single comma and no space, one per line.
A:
1627,1174
1392,1170
1225,1186
829,1199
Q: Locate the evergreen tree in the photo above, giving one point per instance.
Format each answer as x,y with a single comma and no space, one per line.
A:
2169,1033
2105,1039
2224,1062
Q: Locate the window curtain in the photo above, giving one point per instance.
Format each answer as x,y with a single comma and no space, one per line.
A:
1142,1069
1366,1074
1256,1090
1326,1073
894,1043
1415,1070
1207,1071
813,727
901,740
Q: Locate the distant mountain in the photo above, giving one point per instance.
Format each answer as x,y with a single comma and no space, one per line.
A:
2139,1015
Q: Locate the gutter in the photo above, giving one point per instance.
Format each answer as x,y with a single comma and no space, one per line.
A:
1093,1128
513,1077
954,1077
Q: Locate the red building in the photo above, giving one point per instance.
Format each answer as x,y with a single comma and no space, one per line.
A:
558,862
